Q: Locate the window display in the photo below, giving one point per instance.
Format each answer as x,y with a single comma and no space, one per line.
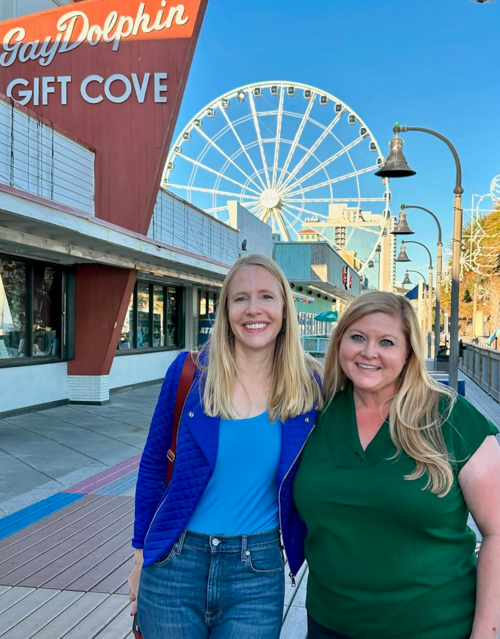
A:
128,330
155,309
12,309
31,310
143,333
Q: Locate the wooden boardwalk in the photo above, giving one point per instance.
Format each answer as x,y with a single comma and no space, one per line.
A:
64,562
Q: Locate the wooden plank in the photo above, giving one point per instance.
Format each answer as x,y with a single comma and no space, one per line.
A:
107,476
56,519
291,591
116,581
35,622
92,579
119,628
100,617
23,608
33,546
11,596
83,556
72,616
31,514
295,626
62,553
300,596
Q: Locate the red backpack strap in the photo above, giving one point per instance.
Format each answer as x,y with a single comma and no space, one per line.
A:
183,388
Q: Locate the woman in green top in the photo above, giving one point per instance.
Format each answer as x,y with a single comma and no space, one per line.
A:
385,485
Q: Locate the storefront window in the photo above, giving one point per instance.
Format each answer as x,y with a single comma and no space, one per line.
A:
127,334
32,296
12,309
157,310
172,323
143,336
158,316
47,311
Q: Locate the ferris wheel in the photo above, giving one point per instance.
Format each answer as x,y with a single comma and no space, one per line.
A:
297,157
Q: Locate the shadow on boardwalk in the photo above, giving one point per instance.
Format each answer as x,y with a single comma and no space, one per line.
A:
65,559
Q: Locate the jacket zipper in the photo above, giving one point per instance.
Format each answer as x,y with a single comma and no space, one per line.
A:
290,574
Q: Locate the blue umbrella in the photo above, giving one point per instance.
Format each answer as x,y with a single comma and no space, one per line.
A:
327,316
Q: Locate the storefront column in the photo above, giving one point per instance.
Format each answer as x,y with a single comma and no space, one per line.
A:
102,298
191,315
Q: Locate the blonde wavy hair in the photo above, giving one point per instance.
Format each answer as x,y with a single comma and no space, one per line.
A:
416,414
295,375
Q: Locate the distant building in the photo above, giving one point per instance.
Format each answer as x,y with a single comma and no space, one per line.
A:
354,233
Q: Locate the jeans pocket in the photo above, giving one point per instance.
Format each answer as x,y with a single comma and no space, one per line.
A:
266,561
164,559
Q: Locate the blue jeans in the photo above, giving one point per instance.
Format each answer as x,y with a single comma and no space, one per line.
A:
222,587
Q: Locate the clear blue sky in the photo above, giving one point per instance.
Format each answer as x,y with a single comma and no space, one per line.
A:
430,63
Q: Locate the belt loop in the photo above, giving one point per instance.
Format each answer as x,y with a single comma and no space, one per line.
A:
180,542
244,547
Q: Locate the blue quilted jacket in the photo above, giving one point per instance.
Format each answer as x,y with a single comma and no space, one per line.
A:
161,515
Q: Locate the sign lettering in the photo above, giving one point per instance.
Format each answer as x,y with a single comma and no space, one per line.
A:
74,29
117,88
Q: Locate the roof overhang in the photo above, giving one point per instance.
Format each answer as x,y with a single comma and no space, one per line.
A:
31,226
326,288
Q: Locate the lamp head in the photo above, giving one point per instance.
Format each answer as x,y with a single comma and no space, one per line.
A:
402,227
406,279
396,165
402,257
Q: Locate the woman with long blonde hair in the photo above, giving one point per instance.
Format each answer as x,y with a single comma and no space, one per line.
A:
385,486
209,560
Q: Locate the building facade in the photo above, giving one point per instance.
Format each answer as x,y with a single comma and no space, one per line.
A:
362,238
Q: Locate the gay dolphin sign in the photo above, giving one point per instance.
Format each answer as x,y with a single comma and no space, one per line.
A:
111,73
75,29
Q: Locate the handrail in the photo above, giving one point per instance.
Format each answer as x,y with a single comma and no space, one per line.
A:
482,364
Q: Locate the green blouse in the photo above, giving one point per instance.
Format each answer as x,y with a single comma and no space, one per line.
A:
387,559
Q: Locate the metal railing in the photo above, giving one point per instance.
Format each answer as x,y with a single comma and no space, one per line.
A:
482,364
315,345
36,158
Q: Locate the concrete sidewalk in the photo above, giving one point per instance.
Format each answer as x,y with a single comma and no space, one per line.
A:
46,451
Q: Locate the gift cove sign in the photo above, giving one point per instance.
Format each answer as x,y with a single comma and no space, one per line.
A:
75,29
110,73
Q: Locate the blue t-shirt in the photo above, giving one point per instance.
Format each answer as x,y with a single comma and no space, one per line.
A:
241,497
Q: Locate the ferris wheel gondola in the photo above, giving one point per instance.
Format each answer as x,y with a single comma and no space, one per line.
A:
292,154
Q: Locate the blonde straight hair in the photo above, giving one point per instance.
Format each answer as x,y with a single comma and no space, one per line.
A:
295,375
416,414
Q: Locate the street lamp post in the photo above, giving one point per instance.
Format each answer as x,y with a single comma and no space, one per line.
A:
405,230
429,288
396,166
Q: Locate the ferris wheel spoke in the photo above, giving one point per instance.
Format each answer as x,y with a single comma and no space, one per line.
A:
311,151
219,175
298,135
327,162
243,148
229,159
335,180
334,200
278,135
259,137
280,221
200,189
264,215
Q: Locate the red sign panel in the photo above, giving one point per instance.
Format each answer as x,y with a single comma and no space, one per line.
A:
111,73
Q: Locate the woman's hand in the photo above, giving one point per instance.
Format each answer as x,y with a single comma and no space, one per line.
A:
133,580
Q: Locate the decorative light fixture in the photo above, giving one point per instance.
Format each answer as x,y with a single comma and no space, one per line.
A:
403,257
406,279
396,164
402,227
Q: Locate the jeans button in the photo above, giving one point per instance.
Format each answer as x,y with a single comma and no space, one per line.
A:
215,541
